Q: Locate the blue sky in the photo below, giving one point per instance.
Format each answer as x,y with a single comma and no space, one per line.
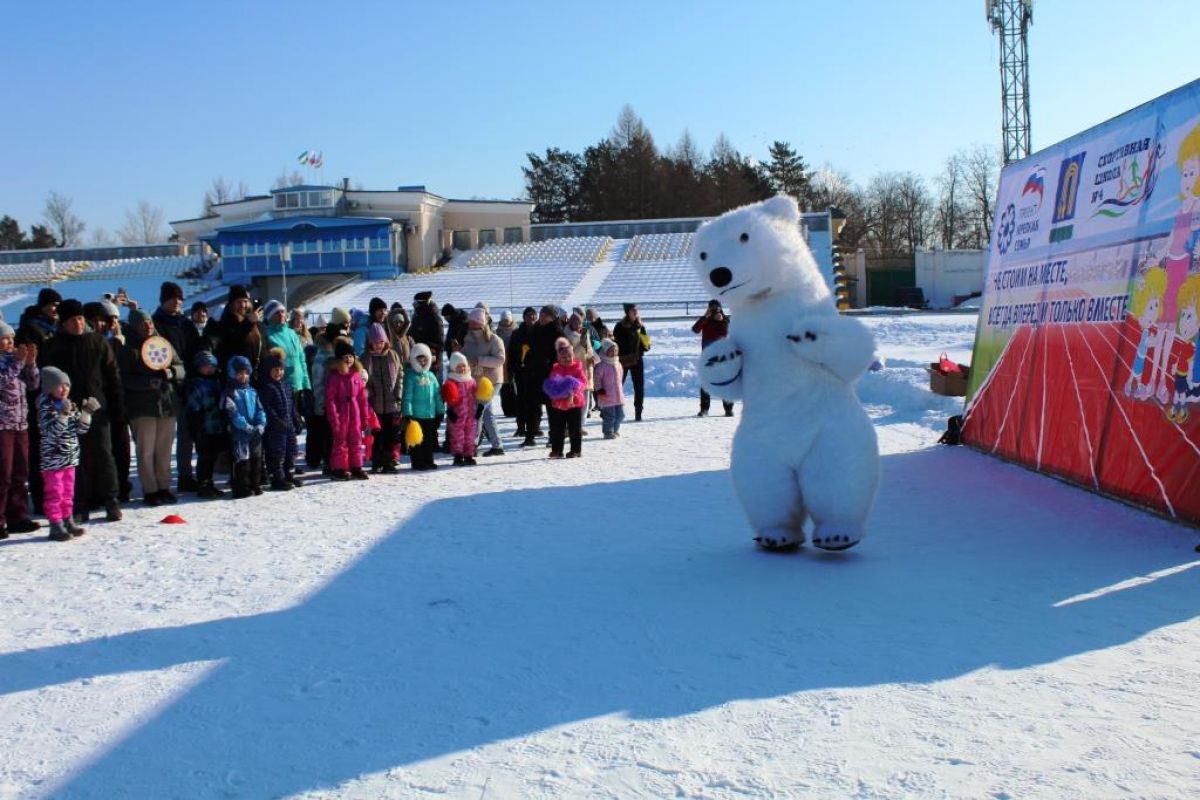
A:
111,103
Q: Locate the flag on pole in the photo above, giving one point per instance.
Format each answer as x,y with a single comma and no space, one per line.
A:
320,160
303,157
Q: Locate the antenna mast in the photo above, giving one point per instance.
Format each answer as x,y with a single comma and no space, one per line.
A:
1011,19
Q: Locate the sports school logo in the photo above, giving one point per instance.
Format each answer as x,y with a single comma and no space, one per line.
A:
1008,225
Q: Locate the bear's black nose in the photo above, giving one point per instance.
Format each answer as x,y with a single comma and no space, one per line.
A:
720,277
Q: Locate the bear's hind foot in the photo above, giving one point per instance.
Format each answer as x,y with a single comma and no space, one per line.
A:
835,539
779,540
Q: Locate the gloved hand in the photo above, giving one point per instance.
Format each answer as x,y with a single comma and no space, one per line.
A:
451,415
90,404
478,410
298,424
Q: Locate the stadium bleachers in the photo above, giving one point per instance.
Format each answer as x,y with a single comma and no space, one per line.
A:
647,281
659,247
574,250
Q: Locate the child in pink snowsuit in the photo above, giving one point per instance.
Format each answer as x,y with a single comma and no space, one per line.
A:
459,395
61,423
347,411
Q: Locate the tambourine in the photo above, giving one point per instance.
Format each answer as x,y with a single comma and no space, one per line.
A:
157,353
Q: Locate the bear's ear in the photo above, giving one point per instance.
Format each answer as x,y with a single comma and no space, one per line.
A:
782,206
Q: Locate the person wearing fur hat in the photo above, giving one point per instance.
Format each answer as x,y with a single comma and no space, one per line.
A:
151,405
281,336
566,387
279,442
422,404
62,423
317,443
609,383
458,393
385,393
205,420
631,337
247,424
19,376
346,409
485,353
89,360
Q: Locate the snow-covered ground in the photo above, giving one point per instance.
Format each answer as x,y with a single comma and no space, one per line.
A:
605,628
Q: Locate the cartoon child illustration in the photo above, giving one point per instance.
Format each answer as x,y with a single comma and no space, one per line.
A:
1187,365
1146,304
1183,250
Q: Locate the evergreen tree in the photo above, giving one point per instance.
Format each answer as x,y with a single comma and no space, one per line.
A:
685,191
552,184
40,238
734,180
11,235
789,174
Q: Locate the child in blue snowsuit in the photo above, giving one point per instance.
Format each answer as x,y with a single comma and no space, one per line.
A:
282,422
247,423
205,420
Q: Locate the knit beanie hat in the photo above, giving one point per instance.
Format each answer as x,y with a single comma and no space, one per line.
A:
339,317
169,291
238,364
110,308
204,357
137,316
70,308
343,347
94,310
47,296
506,316
6,329
376,333
605,344
551,310
478,315
420,349
52,378
199,305
272,308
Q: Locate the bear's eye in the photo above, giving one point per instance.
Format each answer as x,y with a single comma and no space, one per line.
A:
704,256
745,237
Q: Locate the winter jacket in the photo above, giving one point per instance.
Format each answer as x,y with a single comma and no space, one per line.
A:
295,374
385,381
566,386
89,361
320,373
398,329
585,353
346,404
462,429
238,337
710,330
247,419
35,328
485,353
517,353
422,395
183,335
60,432
609,381
427,329
631,339
541,355
278,403
203,406
148,392
16,379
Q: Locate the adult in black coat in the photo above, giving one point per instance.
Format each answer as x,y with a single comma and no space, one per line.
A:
186,339
630,335
88,359
536,366
516,353
427,327
238,332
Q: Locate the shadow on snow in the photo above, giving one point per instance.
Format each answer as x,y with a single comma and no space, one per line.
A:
488,617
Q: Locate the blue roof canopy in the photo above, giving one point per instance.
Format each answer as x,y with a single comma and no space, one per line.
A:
305,223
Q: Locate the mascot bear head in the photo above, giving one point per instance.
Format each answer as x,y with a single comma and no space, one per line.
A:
755,253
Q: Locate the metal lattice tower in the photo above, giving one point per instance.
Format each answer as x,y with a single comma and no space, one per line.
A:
1011,19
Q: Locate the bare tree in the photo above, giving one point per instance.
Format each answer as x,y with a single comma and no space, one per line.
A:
829,188
66,228
144,225
101,238
885,215
222,191
950,212
916,206
285,180
981,172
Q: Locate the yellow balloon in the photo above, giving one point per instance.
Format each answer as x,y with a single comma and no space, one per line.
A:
484,390
413,435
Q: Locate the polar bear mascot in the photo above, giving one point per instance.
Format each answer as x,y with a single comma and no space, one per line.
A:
805,448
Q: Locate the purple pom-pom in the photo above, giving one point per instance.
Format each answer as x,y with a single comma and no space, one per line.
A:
561,387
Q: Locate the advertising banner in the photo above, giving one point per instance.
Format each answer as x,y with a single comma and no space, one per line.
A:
1085,362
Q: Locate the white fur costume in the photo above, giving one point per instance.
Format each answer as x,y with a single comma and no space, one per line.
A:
805,447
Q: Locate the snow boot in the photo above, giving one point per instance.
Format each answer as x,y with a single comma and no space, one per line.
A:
58,533
73,529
